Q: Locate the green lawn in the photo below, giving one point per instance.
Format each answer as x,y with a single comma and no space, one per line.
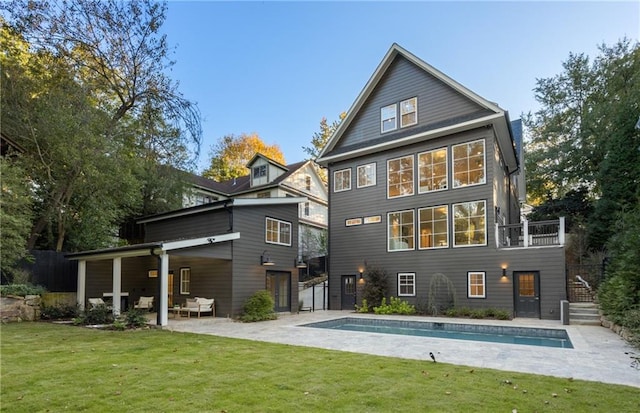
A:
54,368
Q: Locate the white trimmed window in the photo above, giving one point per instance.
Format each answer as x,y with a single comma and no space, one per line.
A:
470,224
400,177
185,280
408,112
432,170
278,232
400,230
388,118
433,224
476,284
342,180
366,175
260,171
406,284
469,164
307,183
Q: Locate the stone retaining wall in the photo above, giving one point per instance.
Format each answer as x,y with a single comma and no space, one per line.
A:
14,308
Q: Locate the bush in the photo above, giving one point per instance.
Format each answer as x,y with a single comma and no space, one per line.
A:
21,290
100,314
259,307
364,308
59,312
395,306
134,318
376,285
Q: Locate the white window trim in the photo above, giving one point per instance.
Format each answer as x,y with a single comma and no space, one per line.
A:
453,220
413,176
447,226
446,171
341,171
413,283
373,180
484,284
185,280
395,116
484,165
415,111
413,220
280,222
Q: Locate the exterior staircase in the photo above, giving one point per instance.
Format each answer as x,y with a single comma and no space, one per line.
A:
584,313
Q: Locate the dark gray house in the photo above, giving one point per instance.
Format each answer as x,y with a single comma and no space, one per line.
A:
225,250
425,180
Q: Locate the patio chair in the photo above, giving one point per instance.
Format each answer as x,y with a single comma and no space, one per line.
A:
199,305
95,302
144,303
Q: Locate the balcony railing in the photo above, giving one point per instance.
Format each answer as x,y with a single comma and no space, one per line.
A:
530,234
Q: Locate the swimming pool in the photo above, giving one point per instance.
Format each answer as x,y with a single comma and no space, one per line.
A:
545,337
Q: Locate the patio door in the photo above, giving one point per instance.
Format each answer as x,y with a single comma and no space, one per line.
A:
348,292
526,286
279,285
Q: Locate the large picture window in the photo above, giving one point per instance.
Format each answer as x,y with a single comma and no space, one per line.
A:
469,164
406,284
342,180
366,175
388,118
470,227
400,176
432,170
408,112
185,280
433,227
278,232
476,285
400,230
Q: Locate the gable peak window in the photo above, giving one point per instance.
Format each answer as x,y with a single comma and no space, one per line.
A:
408,112
260,171
388,118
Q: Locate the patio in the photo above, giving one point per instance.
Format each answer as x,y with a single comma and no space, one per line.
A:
598,353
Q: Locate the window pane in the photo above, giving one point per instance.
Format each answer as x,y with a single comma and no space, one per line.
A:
342,180
468,164
406,284
400,231
408,112
432,167
476,286
469,224
400,177
433,227
388,118
366,175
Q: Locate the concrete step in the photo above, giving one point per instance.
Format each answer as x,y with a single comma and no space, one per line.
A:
584,314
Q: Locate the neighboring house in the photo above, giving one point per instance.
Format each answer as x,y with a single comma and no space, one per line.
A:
424,180
270,179
225,250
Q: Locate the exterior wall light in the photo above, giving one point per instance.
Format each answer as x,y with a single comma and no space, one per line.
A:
299,263
265,259
504,272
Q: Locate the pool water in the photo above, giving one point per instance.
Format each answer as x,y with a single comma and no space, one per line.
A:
545,337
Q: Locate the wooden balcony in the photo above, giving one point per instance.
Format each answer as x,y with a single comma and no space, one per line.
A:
531,234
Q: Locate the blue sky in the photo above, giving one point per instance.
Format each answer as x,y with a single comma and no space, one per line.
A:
278,68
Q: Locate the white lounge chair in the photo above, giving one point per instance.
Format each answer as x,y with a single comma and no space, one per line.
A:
95,302
199,305
144,303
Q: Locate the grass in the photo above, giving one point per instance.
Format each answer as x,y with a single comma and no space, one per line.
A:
52,368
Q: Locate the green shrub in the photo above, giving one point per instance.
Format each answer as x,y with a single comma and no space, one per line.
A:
364,308
59,312
395,306
21,290
376,285
442,294
100,314
134,318
259,307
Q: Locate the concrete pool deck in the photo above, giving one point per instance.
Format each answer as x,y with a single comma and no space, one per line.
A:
598,353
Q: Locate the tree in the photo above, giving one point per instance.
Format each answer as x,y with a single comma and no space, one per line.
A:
231,154
319,141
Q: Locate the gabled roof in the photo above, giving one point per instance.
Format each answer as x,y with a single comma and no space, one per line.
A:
266,158
491,114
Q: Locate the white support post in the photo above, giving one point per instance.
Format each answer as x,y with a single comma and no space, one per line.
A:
82,284
525,232
117,284
497,236
561,232
163,299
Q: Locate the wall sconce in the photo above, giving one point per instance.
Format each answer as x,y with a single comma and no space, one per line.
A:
504,272
265,259
360,279
299,263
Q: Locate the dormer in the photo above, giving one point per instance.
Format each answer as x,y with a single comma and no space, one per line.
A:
264,170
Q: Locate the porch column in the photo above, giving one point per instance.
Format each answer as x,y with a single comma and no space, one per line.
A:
82,284
525,233
561,232
163,303
117,284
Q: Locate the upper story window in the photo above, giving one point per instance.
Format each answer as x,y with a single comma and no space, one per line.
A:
307,209
277,232
264,195
406,284
388,118
433,224
469,164
366,175
400,230
307,183
400,177
469,228
342,180
408,112
432,170
260,171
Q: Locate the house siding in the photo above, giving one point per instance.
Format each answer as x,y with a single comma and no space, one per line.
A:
189,226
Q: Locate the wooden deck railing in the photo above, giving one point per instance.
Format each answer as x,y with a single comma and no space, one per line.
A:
530,234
